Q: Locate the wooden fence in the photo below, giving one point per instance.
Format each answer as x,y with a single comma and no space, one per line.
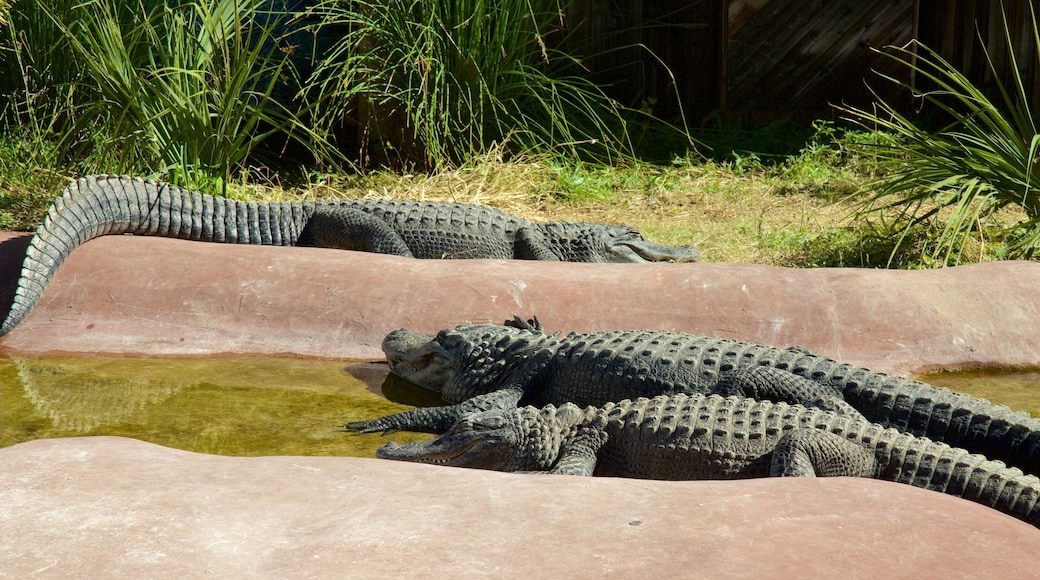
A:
762,59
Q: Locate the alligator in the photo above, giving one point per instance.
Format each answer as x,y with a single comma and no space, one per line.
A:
105,204
688,437
481,367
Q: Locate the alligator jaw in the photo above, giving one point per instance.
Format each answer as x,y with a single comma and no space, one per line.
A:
485,440
648,251
418,358
474,450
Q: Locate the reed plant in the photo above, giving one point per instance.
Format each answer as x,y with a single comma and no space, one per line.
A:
432,83
182,91
981,160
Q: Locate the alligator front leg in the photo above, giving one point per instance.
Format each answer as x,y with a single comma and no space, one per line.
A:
437,419
345,228
809,452
578,454
530,244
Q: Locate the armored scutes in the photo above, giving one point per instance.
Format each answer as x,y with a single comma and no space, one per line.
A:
710,437
100,205
487,366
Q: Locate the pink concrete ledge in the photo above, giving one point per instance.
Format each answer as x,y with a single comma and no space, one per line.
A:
122,294
109,507
118,508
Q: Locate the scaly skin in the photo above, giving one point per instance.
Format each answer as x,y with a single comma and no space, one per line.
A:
100,205
487,366
710,437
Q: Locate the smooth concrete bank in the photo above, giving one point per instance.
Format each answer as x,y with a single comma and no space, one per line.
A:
109,507
118,508
122,294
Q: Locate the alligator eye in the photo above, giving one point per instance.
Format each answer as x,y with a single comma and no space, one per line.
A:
450,340
491,423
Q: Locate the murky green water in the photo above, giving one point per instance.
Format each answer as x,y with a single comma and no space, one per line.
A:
230,406
267,405
1018,389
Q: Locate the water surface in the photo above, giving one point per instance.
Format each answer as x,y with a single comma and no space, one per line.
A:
224,405
268,405
1018,389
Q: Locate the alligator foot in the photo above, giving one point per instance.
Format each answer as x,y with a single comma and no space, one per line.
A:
436,419
809,452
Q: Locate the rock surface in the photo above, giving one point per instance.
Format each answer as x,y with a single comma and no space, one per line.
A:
111,507
108,507
122,294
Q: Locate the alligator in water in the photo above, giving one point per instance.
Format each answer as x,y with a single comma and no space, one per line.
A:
100,205
710,437
480,367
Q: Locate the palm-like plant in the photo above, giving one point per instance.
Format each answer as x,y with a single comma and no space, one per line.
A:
984,159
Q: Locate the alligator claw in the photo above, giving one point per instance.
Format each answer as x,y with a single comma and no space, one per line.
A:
373,426
533,324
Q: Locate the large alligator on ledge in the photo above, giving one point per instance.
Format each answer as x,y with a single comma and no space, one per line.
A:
99,205
482,367
710,437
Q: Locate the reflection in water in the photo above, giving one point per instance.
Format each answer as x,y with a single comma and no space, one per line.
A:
379,380
231,406
77,402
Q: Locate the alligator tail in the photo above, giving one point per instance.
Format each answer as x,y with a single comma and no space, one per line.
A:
102,204
935,465
955,471
929,411
955,418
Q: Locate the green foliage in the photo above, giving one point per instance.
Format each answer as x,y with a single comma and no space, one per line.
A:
36,64
583,182
864,244
183,91
983,160
728,139
433,83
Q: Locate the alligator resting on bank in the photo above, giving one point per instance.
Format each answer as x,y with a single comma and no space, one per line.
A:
482,367
103,204
710,437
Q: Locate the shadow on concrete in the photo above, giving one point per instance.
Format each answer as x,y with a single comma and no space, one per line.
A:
12,254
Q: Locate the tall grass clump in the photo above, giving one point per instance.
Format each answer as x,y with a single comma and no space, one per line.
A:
983,157
431,83
179,90
36,64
